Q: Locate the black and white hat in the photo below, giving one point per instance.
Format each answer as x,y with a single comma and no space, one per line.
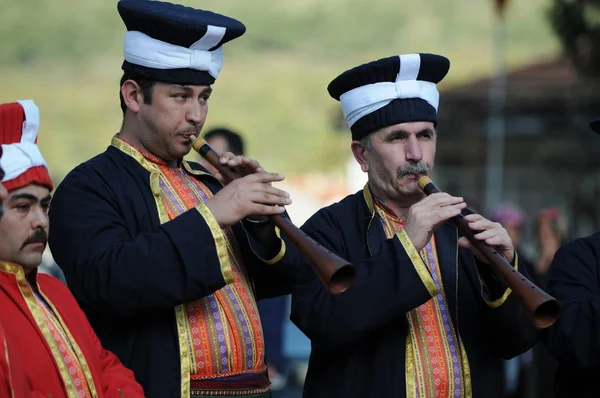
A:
389,91
173,43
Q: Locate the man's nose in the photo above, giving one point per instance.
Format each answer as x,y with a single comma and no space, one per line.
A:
413,150
194,113
40,219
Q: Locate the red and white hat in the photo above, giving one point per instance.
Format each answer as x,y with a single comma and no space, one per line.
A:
21,159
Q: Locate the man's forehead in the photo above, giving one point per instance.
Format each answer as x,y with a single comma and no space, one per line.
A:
39,191
192,87
409,127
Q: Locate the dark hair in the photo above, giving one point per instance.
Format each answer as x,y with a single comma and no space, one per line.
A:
234,140
145,84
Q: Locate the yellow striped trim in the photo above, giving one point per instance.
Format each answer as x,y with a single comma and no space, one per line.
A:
277,257
465,368
82,360
220,241
131,151
188,168
281,253
368,198
410,371
418,263
184,350
507,292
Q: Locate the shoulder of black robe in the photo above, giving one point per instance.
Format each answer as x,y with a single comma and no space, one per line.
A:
574,340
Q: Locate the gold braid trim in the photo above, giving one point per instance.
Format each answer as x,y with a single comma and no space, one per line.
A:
418,263
497,303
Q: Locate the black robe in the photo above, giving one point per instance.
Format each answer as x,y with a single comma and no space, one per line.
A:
574,340
359,337
128,271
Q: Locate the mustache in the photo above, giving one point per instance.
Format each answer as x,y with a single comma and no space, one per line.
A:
417,168
39,235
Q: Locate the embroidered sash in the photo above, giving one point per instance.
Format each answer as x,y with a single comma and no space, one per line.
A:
434,364
61,343
223,330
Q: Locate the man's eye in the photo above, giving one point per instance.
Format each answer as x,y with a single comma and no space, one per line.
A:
22,208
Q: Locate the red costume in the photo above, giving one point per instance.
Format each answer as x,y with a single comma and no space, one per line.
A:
53,368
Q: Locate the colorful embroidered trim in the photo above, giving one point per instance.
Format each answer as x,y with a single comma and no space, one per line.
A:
434,365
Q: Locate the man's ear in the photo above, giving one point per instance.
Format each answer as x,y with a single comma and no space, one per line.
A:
132,95
359,154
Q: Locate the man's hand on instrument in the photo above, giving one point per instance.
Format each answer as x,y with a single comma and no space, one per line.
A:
493,234
428,214
249,195
242,165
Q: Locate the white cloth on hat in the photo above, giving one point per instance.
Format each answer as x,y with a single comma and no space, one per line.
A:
141,49
364,100
18,157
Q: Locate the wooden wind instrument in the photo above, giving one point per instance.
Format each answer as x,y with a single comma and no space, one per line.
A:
542,308
336,273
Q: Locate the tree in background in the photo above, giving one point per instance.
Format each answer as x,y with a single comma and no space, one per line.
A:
577,24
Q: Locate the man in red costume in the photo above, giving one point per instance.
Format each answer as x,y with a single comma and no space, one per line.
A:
45,328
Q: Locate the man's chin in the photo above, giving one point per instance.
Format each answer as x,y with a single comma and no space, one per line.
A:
410,188
183,150
409,182
30,260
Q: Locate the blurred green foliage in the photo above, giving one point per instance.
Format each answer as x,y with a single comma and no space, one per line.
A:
66,54
577,24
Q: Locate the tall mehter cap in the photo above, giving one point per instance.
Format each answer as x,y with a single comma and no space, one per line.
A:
21,160
173,43
389,91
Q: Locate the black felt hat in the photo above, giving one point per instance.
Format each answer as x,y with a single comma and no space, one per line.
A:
389,91
173,43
